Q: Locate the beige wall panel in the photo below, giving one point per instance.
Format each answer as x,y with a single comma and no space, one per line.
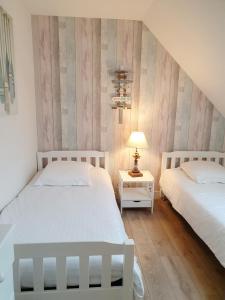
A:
42,46
55,71
184,97
84,75
74,63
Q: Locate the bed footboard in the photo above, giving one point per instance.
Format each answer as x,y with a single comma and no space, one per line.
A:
82,250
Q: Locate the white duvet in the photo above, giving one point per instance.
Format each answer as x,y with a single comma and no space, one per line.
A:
69,214
202,205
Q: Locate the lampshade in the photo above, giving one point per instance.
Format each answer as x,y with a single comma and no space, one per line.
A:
137,140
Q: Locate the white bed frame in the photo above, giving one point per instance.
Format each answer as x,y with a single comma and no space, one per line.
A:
174,159
83,250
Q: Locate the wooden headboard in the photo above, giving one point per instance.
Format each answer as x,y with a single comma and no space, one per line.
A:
174,159
96,158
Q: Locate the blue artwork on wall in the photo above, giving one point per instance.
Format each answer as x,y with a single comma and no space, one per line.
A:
7,70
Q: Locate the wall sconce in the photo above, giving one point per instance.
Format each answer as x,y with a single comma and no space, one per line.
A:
121,98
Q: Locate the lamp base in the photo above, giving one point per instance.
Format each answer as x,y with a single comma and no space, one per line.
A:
135,174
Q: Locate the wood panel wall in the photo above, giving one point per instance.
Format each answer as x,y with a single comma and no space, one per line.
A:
74,61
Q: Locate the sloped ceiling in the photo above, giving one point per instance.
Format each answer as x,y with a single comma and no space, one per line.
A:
193,31
113,9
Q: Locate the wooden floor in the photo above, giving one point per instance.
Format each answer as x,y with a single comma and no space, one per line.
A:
175,263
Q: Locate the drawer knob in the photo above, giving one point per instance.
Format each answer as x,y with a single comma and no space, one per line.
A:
2,277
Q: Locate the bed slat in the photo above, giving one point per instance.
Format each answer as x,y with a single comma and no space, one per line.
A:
106,271
38,274
16,276
84,272
71,155
61,278
177,157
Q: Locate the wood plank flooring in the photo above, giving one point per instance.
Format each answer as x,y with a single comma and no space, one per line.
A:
175,263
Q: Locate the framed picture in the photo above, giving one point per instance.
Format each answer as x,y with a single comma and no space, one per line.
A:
8,103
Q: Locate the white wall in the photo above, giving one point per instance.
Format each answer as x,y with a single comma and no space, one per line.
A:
113,9
193,31
18,136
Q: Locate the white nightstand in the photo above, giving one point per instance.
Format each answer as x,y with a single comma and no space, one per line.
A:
140,195
6,263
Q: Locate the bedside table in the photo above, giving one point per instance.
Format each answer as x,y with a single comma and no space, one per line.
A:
140,195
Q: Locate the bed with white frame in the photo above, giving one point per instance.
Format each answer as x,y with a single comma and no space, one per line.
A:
201,204
84,250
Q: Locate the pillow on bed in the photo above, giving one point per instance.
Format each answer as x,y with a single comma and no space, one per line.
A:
65,173
204,171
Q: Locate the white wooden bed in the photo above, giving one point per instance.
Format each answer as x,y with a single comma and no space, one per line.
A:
83,250
201,204
174,159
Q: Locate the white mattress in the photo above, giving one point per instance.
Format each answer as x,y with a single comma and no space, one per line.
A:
69,214
202,205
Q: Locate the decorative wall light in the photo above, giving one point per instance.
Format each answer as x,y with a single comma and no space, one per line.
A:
121,98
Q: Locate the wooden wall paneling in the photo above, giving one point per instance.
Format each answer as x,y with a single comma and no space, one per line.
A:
74,63
183,112
217,131
55,75
108,66
42,47
125,51
172,106
197,135
96,81
147,91
67,82
161,119
84,75
207,123
37,73
135,93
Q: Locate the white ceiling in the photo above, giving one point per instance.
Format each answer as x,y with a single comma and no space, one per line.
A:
114,9
193,31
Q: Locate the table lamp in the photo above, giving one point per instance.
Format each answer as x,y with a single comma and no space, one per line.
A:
137,140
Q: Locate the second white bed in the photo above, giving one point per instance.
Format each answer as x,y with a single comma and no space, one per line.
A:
68,214
202,205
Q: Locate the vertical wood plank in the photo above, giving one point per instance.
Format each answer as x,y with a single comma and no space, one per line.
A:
42,45
125,49
108,66
67,82
198,138
183,112
147,89
84,75
136,70
56,93
96,78
217,132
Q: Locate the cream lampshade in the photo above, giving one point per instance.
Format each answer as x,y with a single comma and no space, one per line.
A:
137,140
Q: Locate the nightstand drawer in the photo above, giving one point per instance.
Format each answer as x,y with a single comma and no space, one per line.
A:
136,203
136,194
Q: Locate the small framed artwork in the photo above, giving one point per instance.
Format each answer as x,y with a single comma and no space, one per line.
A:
8,103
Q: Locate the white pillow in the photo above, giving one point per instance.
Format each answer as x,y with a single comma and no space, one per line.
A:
204,171
65,173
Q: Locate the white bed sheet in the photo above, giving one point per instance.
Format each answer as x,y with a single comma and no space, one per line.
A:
202,205
69,214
